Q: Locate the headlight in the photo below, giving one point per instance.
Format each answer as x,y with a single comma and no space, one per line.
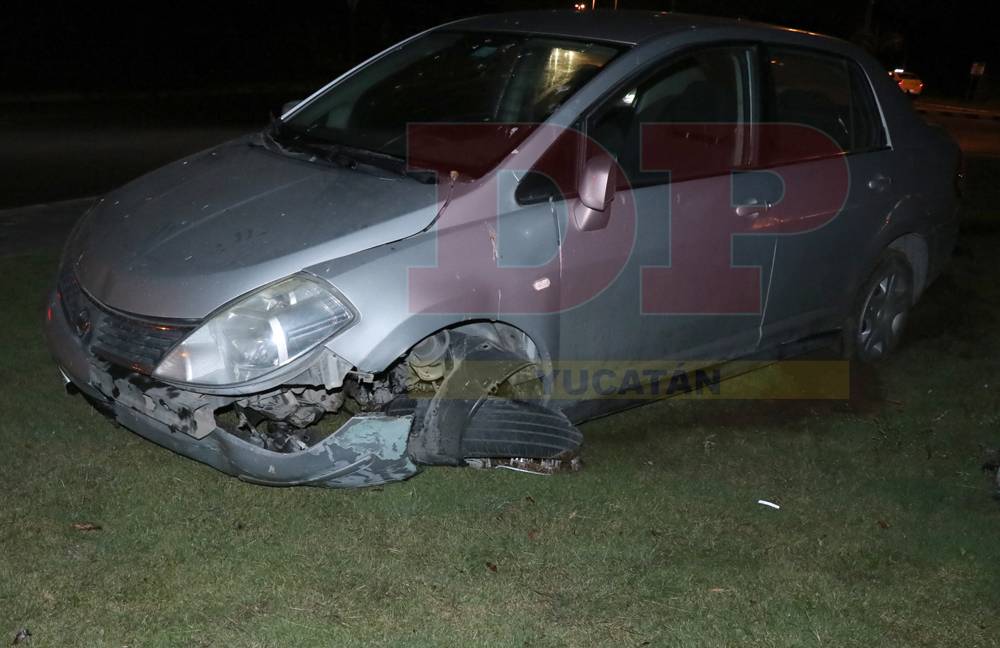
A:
261,332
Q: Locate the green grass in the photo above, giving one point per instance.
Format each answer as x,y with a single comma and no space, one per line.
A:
887,535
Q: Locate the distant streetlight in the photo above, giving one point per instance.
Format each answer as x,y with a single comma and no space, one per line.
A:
582,6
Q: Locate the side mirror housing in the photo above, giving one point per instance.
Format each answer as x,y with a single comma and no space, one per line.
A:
288,105
597,189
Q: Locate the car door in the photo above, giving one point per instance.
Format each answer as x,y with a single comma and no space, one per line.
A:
821,240
692,287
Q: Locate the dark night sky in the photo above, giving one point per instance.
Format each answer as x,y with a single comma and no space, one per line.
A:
87,46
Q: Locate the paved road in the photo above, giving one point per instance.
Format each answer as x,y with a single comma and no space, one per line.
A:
26,229
975,136
40,165
51,169
51,151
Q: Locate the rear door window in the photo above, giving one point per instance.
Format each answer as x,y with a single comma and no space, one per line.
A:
821,91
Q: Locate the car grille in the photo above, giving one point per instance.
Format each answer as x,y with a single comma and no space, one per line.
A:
133,342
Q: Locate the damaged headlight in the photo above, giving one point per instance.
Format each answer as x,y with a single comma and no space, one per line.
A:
261,332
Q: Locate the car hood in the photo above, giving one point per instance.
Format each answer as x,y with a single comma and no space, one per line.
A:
183,240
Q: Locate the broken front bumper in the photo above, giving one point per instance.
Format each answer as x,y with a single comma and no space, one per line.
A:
367,450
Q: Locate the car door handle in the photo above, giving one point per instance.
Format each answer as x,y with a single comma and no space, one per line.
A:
752,209
880,183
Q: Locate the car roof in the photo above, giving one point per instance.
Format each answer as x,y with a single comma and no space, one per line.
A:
625,26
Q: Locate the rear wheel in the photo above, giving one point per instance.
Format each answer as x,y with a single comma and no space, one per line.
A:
881,309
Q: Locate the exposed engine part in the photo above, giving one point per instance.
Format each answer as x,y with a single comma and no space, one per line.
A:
296,406
329,370
282,420
286,419
369,396
427,359
275,436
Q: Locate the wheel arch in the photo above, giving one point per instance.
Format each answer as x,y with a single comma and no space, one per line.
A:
538,342
914,247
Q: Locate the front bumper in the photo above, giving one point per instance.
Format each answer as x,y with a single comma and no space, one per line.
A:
367,450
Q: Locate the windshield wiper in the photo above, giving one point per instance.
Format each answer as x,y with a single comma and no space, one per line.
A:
386,161
270,139
345,156
351,157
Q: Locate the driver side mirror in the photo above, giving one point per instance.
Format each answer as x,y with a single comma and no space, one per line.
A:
597,189
288,105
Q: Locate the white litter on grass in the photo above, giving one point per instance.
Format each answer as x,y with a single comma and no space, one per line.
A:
522,470
766,503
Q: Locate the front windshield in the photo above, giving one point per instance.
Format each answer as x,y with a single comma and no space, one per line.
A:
450,77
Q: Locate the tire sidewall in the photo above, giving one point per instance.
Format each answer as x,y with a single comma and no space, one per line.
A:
889,260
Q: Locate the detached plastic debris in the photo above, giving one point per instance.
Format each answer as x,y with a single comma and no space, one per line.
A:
766,503
23,636
531,466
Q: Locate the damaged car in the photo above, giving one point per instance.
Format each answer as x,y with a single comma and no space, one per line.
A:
390,274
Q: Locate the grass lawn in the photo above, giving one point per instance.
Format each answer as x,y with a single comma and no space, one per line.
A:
888,532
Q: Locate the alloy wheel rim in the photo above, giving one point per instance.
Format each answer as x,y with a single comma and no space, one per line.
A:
884,314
